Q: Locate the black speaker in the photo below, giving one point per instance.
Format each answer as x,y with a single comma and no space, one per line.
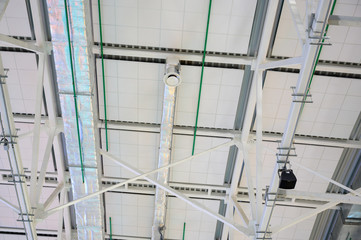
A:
287,179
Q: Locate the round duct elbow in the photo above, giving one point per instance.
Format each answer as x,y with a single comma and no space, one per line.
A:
172,76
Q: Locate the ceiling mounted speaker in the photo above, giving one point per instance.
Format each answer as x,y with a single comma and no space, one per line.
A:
287,179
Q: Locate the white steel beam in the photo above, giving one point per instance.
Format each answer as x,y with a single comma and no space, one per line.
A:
20,43
10,205
344,21
262,52
179,195
241,60
282,63
3,6
36,133
53,210
240,211
328,197
310,52
327,179
13,153
307,215
49,91
53,195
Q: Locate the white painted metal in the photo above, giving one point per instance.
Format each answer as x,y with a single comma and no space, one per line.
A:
342,198
53,195
51,105
327,179
240,211
242,60
307,215
259,145
10,205
3,6
282,63
15,159
344,21
264,43
22,44
36,134
53,210
309,53
180,195
172,68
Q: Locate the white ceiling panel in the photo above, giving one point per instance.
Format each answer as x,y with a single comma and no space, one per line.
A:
198,225
172,24
15,21
132,214
21,81
333,113
207,169
135,93
138,149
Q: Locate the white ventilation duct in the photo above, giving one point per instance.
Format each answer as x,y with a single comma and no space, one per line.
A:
172,80
89,212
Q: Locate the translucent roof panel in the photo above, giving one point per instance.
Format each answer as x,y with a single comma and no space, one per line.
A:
134,92
176,24
333,113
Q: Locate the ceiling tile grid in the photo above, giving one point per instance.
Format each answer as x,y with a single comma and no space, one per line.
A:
333,113
132,214
134,92
15,21
138,149
198,225
21,81
26,149
207,169
172,24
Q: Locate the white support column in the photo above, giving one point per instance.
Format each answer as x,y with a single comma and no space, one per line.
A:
171,79
264,43
49,90
309,53
12,149
36,133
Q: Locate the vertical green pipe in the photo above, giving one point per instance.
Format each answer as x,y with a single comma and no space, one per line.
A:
74,90
102,56
201,81
110,228
184,230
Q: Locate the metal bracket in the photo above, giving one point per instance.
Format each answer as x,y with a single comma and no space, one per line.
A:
296,96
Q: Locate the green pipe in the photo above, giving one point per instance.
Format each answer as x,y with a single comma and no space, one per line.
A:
184,230
102,55
201,81
74,91
319,54
110,228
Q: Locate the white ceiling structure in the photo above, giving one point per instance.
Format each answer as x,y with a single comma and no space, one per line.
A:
263,83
